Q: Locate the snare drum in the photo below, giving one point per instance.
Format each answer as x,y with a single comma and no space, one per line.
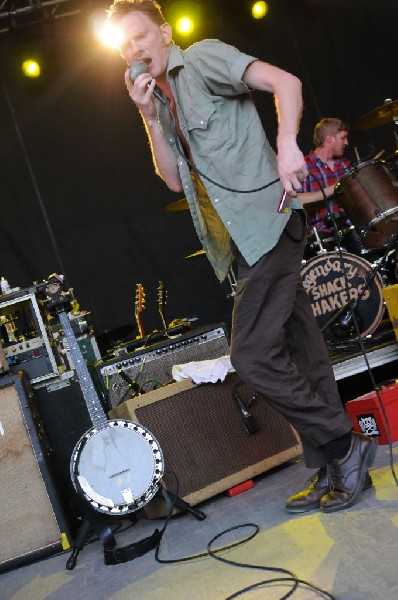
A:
369,195
326,278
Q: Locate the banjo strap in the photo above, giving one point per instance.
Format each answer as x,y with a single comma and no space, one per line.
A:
114,556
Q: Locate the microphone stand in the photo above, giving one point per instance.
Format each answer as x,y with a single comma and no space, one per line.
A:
349,310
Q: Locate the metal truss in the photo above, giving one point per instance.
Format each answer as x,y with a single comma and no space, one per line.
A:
17,13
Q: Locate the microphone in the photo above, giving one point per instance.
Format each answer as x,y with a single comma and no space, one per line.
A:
344,326
138,67
249,421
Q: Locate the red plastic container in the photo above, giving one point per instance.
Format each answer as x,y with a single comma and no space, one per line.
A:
241,487
367,416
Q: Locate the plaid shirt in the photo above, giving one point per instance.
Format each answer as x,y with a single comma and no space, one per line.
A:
320,170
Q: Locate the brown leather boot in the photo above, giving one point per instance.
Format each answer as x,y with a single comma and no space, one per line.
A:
348,474
310,498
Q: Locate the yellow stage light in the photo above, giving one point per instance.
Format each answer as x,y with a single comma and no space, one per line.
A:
105,32
185,26
31,68
259,10
184,16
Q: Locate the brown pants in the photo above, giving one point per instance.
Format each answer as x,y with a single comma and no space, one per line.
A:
278,349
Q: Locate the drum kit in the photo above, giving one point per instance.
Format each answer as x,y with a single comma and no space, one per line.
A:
345,269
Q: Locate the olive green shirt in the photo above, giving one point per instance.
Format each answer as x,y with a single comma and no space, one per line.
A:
219,121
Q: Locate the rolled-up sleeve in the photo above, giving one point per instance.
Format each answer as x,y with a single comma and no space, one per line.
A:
221,66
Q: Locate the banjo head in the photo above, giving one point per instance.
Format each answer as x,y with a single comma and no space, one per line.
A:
118,468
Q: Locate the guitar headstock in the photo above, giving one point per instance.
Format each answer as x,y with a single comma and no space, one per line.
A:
162,295
139,298
162,301
139,306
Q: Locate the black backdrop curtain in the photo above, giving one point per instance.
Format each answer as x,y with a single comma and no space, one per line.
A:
77,188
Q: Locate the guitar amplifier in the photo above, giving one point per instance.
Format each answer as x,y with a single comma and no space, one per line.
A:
203,437
150,368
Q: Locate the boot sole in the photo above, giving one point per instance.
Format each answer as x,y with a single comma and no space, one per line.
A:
314,506
367,463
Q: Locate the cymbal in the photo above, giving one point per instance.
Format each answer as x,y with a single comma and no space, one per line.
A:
197,253
178,205
379,116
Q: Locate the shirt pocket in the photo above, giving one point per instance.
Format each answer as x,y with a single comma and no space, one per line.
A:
198,116
207,131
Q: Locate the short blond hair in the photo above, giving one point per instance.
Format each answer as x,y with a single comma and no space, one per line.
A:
327,126
151,8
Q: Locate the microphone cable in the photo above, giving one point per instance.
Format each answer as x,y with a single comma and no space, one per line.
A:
181,152
139,67
289,578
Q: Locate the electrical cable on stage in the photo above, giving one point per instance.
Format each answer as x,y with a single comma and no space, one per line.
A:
290,577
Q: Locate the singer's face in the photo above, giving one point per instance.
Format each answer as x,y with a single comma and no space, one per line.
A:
145,40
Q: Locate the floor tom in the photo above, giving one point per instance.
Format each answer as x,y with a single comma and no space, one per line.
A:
369,195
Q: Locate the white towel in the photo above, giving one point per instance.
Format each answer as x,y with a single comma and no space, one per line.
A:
204,371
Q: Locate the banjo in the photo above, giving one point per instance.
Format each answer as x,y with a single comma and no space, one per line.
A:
117,464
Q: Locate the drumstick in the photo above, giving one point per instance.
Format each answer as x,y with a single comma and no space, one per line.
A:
378,154
357,153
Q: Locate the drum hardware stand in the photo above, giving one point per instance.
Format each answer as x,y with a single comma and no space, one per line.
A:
345,315
318,241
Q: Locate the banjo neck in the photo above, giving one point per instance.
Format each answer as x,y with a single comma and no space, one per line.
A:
96,412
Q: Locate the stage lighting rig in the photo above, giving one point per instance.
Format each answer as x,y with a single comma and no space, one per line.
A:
18,13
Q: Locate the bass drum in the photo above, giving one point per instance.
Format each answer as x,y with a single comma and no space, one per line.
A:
331,281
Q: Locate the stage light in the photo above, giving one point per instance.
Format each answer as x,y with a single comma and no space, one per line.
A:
105,32
185,26
31,68
259,10
184,16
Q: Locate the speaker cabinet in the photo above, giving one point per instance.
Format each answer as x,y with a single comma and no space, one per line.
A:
63,412
32,524
202,435
150,368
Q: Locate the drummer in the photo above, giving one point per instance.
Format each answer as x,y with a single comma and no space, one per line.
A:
326,166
